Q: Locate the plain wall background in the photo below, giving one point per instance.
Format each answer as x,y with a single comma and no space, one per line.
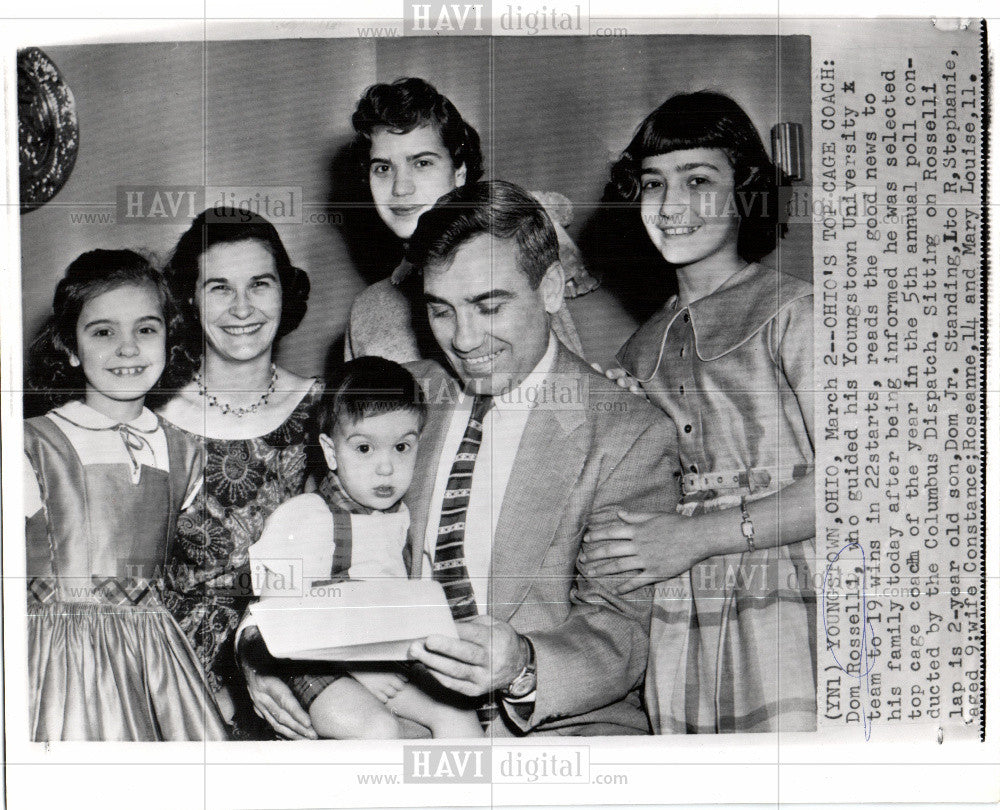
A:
553,114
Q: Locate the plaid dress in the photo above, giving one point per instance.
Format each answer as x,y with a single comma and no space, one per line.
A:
733,640
106,661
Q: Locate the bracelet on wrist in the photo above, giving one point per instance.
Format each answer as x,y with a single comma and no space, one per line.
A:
746,527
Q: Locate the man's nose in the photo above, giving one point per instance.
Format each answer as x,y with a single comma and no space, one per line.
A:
468,334
384,466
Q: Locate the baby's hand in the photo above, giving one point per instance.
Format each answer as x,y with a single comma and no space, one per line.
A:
384,685
623,379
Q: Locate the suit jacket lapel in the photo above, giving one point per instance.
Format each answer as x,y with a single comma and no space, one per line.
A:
548,463
440,391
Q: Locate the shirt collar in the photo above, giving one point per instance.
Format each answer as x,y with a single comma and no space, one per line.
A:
727,318
85,416
526,392
332,491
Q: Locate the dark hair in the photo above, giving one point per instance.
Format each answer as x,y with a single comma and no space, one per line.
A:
498,208
707,120
409,103
369,386
210,229
51,376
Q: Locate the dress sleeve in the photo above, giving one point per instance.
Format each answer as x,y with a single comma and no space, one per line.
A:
791,344
32,492
195,482
349,352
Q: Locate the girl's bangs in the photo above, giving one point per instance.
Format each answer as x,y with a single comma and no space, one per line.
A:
673,133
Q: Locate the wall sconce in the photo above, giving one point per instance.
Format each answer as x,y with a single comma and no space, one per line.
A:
788,149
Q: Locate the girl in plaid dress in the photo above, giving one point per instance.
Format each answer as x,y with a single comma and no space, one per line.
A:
104,482
730,360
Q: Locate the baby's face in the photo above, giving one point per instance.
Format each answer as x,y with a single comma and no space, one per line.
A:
374,457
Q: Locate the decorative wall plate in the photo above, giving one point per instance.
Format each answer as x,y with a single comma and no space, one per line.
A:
47,130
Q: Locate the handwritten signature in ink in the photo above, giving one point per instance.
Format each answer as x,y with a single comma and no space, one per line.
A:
863,651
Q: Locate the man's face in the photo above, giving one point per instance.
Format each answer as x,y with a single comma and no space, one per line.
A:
485,315
407,173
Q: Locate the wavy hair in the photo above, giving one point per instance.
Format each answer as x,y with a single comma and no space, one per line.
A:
498,208
409,103
51,378
210,229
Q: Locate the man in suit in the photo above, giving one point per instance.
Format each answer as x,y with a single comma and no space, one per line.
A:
558,445
525,446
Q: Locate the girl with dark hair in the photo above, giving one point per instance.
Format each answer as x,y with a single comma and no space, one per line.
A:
730,360
233,277
104,483
414,147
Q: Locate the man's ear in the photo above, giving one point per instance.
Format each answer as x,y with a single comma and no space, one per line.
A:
460,174
329,453
553,287
73,359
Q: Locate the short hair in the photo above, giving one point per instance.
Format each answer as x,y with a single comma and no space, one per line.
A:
50,376
498,208
210,229
709,120
369,386
409,103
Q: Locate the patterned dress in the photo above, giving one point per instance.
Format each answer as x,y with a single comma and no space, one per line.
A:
732,645
106,661
209,575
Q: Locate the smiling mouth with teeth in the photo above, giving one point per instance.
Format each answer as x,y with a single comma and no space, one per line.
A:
679,230
242,330
131,371
482,359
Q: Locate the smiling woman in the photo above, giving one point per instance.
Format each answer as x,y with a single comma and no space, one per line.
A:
242,294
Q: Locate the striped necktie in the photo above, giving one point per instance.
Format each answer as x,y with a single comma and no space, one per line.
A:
449,553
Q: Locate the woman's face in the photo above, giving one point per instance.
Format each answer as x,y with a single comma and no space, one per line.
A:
238,296
688,205
407,173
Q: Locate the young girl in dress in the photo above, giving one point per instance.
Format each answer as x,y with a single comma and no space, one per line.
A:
104,482
730,360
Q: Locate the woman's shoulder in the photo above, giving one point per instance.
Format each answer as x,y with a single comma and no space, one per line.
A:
640,353
303,392
184,411
377,299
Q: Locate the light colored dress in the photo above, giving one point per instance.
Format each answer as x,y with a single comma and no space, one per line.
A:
733,642
106,660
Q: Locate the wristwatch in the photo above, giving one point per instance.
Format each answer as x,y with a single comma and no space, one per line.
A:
746,527
526,680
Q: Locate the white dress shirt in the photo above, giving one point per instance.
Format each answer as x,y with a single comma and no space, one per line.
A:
503,427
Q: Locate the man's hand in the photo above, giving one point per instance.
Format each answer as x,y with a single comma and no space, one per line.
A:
271,696
487,655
